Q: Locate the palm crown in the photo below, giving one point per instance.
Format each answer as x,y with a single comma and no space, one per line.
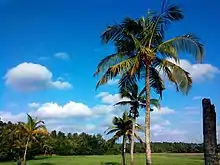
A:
122,126
135,98
34,126
141,42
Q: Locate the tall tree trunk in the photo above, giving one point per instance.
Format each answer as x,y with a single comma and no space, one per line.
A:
132,142
19,159
123,148
209,133
25,151
147,117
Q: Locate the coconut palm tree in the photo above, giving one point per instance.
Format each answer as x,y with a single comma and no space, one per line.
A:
136,100
32,128
122,127
143,52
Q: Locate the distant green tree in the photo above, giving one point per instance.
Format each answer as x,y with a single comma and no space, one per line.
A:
122,127
32,128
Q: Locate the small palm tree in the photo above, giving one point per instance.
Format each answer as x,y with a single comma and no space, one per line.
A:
122,128
136,100
143,52
32,128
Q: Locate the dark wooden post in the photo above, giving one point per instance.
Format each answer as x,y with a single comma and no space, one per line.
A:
209,133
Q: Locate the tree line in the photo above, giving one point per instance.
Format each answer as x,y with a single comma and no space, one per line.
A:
56,142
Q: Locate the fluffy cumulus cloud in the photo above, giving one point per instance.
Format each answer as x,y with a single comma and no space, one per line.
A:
74,110
8,116
163,111
62,56
33,105
108,98
54,110
61,85
199,72
104,109
32,77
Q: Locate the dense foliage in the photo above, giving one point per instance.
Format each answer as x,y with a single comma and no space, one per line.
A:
12,144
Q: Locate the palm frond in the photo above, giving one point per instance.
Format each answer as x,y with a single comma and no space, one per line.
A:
169,14
112,33
155,102
156,81
138,138
109,61
177,75
115,70
111,131
187,43
41,131
125,84
39,122
139,127
124,103
168,51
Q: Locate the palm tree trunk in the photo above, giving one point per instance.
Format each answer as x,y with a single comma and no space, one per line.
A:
123,150
25,152
132,142
147,117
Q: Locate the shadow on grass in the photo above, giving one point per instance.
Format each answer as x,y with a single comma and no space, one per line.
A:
111,163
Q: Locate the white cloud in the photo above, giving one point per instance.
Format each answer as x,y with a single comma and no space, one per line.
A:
104,109
197,98
61,85
113,82
192,110
166,123
162,129
62,55
199,72
171,135
71,109
32,77
157,127
163,111
8,116
110,98
33,105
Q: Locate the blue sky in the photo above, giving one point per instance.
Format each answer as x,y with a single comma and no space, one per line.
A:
49,52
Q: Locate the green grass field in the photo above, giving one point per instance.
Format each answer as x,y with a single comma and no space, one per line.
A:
158,159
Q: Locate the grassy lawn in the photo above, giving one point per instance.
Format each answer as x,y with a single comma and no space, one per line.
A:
158,159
